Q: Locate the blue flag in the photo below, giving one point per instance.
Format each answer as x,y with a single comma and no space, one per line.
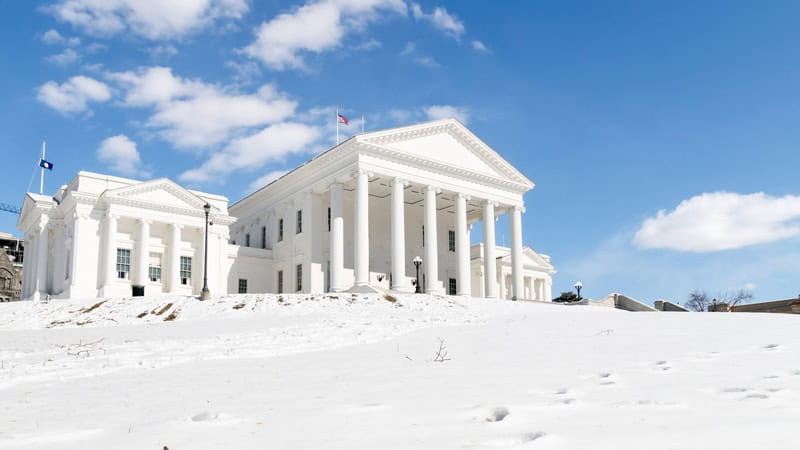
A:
45,164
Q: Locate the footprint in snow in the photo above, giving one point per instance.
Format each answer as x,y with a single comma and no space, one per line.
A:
663,366
769,347
605,379
497,414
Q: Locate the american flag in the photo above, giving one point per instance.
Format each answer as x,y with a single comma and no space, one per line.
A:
342,119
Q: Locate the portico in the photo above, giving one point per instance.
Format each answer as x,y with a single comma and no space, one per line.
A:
390,196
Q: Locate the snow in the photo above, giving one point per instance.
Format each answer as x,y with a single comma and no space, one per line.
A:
360,372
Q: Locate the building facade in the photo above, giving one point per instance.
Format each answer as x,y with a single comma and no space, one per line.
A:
102,236
354,217
351,219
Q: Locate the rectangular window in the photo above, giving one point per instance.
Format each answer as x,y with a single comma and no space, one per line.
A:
451,240
263,237
280,230
123,263
423,236
247,240
280,282
299,286
242,286
69,261
299,221
154,267
451,286
329,219
186,270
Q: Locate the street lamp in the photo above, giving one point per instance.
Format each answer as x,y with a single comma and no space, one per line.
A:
578,287
205,293
417,262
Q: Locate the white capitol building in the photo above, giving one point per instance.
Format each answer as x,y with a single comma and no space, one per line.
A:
351,219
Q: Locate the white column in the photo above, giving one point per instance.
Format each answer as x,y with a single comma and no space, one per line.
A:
337,239
41,263
28,266
109,249
431,262
548,290
174,264
463,281
142,253
502,285
516,253
362,230
398,236
489,251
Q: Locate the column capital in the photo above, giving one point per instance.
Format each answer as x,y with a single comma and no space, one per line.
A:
518,208
144,221
494,203
433,188
463,195
366,172
175,225
400,181
335,185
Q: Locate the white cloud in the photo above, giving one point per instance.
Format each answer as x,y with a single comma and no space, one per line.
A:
151,19
436,112
53,37
408,49
441,20
315,27
252,152
721,221
67,57
479,46
370,44
162,51
264,180
119,153
426,61
154,85
193,114
73,95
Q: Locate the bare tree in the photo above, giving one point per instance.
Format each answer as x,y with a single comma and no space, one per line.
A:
700,301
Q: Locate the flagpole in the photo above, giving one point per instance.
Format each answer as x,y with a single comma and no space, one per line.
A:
337,125
41,178
362,124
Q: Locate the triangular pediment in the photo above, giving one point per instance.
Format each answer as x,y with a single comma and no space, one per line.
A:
162,192
446,143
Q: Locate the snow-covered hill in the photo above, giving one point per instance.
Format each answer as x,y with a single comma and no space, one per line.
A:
362,371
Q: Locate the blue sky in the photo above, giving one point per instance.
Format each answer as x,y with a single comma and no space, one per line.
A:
662,136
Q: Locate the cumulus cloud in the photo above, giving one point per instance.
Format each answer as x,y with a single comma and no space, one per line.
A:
53,37
73,95
162,51
264,180
119,153
151,19
249,153
443,21
436,112
721,221
67,57
479,46
315,27
194,114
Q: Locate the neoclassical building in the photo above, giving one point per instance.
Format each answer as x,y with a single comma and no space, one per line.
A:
99,236
354,217
351,219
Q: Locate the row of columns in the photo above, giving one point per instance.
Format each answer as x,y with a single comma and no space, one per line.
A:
140,273
398,263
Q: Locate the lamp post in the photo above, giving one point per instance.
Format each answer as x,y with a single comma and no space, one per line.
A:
205,293
578,287
417,262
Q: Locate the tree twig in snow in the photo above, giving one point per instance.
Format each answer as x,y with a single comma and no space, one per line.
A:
441,354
